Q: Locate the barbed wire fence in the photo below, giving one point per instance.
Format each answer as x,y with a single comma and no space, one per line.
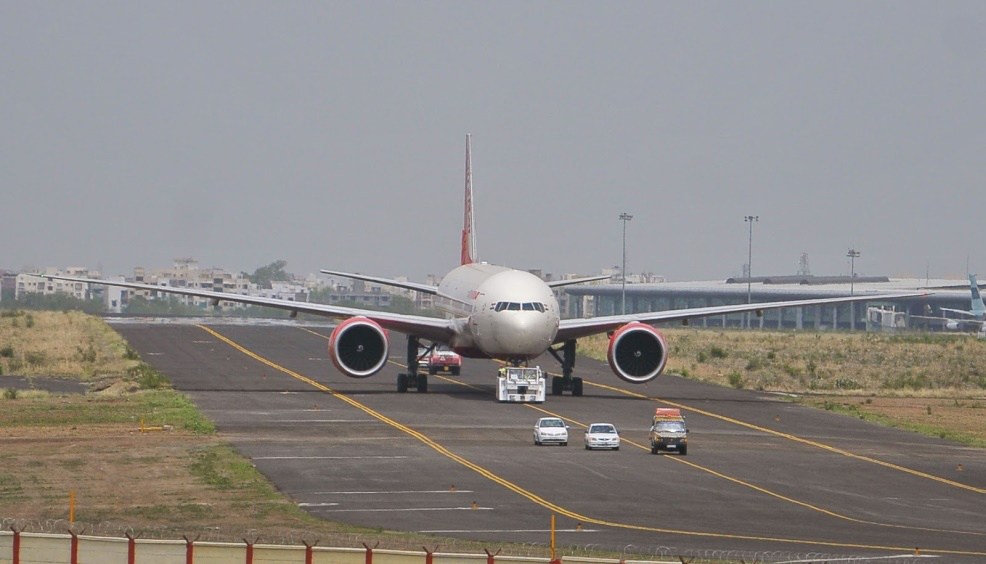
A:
394,541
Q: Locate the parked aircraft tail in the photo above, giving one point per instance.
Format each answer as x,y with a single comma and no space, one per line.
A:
978,309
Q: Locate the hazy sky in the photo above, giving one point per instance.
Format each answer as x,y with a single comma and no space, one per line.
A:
331,135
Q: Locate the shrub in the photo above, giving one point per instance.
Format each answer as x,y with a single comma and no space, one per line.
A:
718,352
130,354
86,354
147,377
846,384
754,364
9,393
30,321
7,352
36,358
736,380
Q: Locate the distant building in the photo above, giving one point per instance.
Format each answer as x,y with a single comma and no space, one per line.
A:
26,283
186,273
605,299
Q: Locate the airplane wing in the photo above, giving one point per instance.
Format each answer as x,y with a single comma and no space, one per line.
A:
577,328
559,283
423,288
959,312
431,328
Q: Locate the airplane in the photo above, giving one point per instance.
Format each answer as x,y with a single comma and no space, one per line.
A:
493,312
976,316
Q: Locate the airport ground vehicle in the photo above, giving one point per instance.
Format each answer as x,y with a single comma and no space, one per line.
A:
668,431
602,435
443,359
550,430
520,383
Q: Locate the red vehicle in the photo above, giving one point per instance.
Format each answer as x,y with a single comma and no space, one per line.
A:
443,360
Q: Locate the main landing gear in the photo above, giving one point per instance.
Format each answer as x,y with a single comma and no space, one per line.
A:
412,379
565,382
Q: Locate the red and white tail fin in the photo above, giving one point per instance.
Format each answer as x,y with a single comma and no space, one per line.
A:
468,225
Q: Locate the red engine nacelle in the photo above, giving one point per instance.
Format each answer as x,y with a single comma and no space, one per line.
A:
637,353
358,347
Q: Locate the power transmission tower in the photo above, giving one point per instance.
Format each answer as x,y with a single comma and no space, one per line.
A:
803,268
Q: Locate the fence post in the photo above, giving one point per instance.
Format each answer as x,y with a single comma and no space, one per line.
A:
132,547
190,548
17,545
429,554
369,553
308,551
249,552
74,558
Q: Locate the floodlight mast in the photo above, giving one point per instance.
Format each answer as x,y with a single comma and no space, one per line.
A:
624,217
749,263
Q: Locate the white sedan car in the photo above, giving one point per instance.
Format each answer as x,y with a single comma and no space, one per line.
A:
550,430
602,435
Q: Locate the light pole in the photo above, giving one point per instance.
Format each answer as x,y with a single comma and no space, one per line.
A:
749,262
852,254
624,217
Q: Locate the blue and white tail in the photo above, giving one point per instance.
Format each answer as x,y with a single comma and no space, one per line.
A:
978,309
468,224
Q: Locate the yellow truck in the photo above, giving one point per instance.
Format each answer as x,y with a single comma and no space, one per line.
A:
668,431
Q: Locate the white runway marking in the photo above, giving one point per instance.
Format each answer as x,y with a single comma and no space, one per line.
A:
409,509
509,531
324,421
392,492
316,504
328,457
863,558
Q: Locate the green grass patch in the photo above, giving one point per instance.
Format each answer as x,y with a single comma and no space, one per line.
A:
156,408
855,410
223,468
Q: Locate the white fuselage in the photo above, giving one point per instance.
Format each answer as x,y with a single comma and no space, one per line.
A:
504,313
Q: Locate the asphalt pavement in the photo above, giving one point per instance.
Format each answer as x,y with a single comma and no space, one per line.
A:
762,473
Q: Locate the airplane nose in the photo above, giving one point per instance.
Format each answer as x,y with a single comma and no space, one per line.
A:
522,335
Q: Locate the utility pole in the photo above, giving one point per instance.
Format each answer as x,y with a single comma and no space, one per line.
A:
624,217
852,254
749,263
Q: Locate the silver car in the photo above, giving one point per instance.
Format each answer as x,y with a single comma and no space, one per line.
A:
602,435
550,430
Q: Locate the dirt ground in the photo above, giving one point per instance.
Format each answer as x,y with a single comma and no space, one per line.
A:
160,483
961,419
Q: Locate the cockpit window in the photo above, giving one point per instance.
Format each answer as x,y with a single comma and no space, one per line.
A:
515,306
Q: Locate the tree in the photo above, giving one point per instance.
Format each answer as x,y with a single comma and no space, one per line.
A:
273,272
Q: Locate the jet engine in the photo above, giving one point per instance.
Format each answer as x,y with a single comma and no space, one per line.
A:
952,325
358,347
637,353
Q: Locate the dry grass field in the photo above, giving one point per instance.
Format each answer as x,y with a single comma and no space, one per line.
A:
62,344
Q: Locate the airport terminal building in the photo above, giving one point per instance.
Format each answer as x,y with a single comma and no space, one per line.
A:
607,299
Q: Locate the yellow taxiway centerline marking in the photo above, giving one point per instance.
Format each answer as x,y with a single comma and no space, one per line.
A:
534,497
796,438
756,487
